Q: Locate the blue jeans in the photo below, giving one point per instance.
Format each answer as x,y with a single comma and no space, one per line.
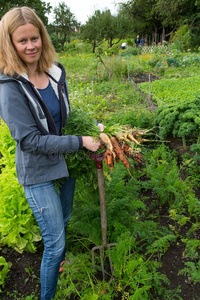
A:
52,211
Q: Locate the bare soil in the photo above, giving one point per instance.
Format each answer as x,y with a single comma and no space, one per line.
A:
24,276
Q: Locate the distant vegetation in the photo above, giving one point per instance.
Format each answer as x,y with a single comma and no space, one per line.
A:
158,21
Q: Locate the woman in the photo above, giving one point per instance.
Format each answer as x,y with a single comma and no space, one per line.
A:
34,104
137,41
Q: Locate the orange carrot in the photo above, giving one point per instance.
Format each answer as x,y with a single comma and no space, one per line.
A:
106,158
126,149
130,153
119,152
116,158
138,157
109,159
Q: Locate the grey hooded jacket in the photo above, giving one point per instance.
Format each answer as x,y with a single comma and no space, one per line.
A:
39,149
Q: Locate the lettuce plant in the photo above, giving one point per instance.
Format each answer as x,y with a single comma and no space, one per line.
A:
5,266
18,228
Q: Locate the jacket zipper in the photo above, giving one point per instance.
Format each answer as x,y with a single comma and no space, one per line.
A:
61,106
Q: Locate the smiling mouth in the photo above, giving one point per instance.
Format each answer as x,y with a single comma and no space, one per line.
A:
32,54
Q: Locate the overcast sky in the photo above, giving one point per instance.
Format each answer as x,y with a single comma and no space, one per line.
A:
83,9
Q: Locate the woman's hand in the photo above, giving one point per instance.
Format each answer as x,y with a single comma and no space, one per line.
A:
101,126
90,144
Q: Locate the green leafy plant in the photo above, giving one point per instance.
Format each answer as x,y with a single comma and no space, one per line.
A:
79,280
16,296
136,271
18,228
196,149
191,270
134,277
191,167
181,120
119,201
80,123
162,244
31,274
182,38
173,62
192,248
173,90
164,180
162,171
4,269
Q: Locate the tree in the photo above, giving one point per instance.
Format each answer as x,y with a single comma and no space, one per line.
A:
40,7
181,14
108,26
115,27
124,24
92,30
182,38
144,17
65,23
104,26
156,16
167,13
163,16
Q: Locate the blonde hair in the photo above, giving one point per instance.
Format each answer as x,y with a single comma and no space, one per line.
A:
10,62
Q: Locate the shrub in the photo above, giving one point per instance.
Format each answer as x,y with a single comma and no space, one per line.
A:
180,119
182,38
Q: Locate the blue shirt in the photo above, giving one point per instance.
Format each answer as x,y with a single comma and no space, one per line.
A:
142,42
53,104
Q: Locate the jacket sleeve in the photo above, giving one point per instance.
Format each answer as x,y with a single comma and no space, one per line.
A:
24,128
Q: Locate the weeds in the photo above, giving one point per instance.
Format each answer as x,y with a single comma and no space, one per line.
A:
31,274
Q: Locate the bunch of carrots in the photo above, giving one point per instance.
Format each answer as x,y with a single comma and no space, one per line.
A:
121,142
122,146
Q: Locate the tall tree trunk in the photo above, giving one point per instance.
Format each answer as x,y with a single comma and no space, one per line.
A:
155,34
163,34
154,37
110,43
93,46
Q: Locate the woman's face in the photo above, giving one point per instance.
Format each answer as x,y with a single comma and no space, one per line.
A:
28,44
